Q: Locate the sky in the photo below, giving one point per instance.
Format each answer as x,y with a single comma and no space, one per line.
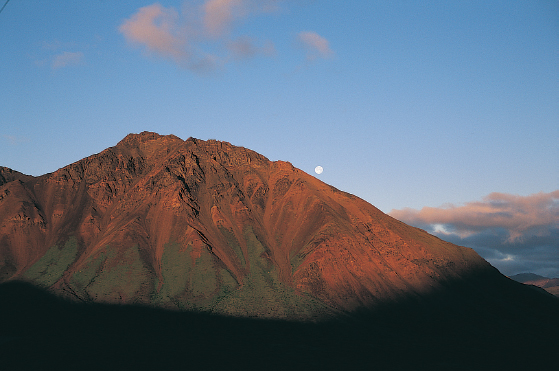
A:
444,114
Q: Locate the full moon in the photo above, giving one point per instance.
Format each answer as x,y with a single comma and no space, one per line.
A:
318,169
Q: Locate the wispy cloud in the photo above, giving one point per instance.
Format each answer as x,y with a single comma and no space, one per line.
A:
202,37
219,14
56,45
14,140
186,38
246,47
57,54
65,59
10,138
315,45
515,233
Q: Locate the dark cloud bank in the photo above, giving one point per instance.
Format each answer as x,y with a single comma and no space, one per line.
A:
516,234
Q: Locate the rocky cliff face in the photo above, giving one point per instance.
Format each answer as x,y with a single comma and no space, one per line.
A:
208,226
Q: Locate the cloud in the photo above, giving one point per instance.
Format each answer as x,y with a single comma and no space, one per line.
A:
10,138
514,233
219,14
15,140
156,28
519,215
245,47
56,54
186,38
57,45
67,59
315,45
202,37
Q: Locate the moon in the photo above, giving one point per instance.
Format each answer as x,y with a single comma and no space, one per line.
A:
318,169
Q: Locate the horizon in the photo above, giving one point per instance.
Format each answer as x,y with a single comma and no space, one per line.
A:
444,115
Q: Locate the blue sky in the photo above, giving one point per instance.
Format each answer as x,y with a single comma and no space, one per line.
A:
406,104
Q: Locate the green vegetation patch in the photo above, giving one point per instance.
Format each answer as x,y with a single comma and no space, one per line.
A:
89,271
263,294
50,268
191,279
233,244
121,277
204,281
175,269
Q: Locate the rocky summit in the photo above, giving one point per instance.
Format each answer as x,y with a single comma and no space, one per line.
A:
208,228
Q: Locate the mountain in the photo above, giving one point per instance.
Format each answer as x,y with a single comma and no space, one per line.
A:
241,248
214,227
550,285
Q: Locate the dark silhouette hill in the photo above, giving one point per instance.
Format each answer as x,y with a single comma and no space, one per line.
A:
160,253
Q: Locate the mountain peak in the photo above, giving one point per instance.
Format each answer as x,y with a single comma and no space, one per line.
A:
134,140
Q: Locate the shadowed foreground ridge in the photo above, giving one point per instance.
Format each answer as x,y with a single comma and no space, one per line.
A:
512,328
222,234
